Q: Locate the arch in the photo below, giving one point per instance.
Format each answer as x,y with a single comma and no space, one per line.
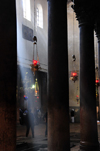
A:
39,11
26,9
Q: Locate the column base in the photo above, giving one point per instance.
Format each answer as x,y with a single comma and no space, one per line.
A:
87,146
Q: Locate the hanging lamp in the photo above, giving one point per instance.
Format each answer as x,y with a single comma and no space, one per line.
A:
73,75
35,66
97,83
77,98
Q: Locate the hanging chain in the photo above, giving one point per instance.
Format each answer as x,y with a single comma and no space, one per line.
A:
37,54
97,51
35,18
96,55
35,31
73,56
73,32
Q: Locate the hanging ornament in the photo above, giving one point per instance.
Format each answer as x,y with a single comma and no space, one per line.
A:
36,88
73,58
77,92
97,83
96,68
74,74
77,98
35,66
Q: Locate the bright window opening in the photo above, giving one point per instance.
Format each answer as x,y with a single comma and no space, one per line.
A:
39,16
26,9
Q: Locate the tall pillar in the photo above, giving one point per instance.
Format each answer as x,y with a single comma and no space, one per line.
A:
88,119
58,91
99,71
97,29
8,75
99,56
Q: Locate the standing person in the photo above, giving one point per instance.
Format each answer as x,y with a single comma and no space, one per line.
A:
39,116
30,123
72,115
35,116
21,116
45,117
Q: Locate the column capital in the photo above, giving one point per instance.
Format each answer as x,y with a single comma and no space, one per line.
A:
61,1
97,30
97,24
85,12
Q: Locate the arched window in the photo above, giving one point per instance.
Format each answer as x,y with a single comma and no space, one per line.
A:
26,9
39,11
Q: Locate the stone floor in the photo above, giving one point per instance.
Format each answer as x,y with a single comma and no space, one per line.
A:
40,143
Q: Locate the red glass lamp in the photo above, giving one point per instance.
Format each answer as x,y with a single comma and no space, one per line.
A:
97,82
35,62
73,76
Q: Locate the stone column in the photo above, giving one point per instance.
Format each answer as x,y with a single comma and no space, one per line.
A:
99,55
97,29
58,91
8,75
88,119
99,71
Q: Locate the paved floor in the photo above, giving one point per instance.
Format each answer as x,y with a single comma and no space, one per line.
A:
40,143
